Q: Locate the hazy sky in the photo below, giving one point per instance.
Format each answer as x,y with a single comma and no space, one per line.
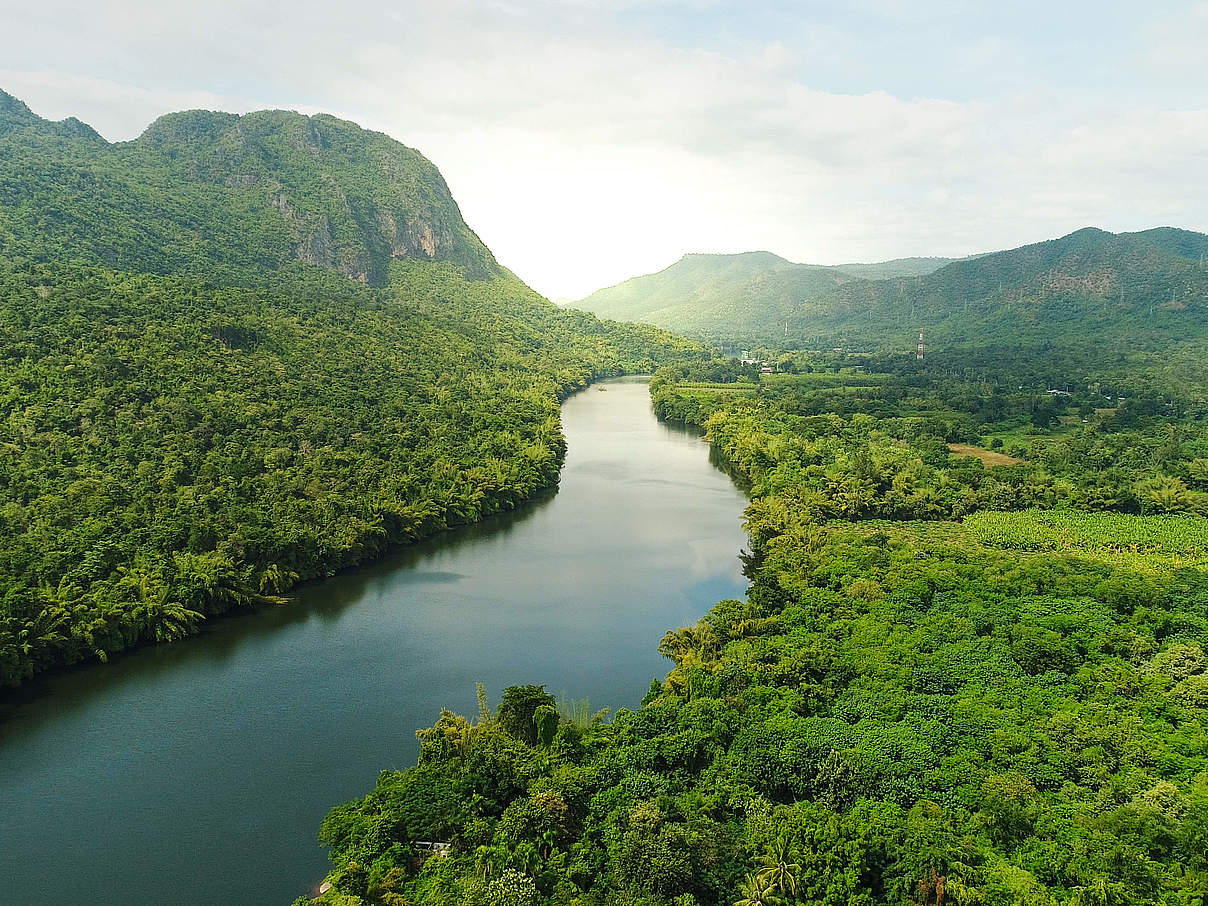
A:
591,140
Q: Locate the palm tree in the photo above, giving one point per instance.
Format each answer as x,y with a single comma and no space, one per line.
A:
777,871
43,631
172,621
274,579
756,892
691,645
152,613
484,707
526,859
1164,494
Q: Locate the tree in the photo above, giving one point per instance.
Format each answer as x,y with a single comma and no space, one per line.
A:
778,871
757,891
518,710
546,720
1044,412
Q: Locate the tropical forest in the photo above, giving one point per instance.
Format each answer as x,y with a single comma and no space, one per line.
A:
342,564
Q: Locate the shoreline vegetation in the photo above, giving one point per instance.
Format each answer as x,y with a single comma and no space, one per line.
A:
948,682
219,459
242,352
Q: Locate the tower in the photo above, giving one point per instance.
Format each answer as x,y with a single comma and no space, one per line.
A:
919,354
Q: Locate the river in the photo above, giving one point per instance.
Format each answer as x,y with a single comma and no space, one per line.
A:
198,773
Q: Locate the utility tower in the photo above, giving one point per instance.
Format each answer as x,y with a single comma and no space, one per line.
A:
919,354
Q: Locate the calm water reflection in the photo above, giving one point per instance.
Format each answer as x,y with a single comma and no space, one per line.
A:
198,773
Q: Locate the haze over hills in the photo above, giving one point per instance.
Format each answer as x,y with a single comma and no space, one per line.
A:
1140,290
244,351
734,297
1090,291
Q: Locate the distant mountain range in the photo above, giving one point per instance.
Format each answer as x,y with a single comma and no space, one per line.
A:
1090,288
1090,303
735,297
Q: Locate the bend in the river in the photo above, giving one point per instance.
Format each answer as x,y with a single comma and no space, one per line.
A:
197,773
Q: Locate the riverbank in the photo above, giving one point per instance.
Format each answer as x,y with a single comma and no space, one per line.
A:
232,747
374,540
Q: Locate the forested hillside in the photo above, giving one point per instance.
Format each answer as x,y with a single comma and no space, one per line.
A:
1092,294
955,680
225,197
745,298
1088,300
204,403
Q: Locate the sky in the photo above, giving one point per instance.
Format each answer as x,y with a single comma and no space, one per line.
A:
588,141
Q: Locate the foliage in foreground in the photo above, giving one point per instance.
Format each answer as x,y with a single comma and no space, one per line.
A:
872,722
1012,709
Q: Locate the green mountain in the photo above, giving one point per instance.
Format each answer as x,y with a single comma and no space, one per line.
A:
734,298
242,352
1090,295
1082,301
898,267
215,194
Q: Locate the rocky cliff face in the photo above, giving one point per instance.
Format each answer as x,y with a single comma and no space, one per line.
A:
288,187
350,199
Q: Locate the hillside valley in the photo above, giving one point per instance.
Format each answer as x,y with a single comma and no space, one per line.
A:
242,352
1089,303
740,298
953,654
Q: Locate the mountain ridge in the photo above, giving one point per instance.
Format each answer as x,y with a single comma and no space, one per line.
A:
1054,290
1090,279
263,189
731,295
16,114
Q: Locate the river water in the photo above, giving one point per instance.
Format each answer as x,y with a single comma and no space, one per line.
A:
198,773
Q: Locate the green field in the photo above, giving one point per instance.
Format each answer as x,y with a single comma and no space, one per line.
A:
827,379
1169,540
706,385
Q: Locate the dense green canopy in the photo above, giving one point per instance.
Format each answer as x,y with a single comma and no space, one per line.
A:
199,408
954,680
241,352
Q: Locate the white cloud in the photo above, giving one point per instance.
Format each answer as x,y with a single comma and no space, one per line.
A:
1177,44
585,149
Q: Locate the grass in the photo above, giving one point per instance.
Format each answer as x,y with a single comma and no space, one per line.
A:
1146,545
989,458
1175,541
1024,433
